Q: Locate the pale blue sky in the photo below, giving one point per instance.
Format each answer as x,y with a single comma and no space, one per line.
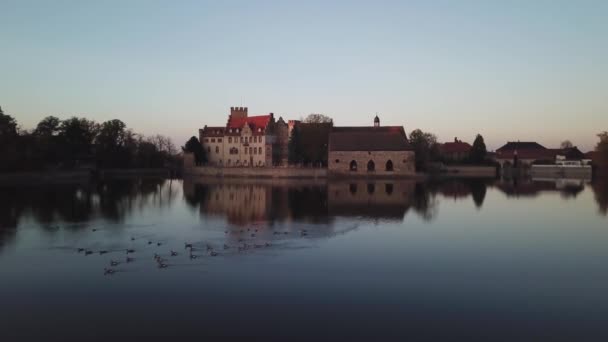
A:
527,70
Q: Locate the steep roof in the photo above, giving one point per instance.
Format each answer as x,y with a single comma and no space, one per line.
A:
254,122
455,147
387,138
521,145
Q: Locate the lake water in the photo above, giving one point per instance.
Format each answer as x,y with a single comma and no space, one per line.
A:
353,260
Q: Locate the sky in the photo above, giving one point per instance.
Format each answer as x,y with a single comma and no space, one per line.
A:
509,70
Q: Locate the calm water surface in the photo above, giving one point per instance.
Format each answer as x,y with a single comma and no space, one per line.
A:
450,260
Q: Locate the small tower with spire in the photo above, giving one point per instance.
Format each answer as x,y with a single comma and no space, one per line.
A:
376,121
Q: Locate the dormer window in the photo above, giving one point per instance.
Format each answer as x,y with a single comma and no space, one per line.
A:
259,129
231,130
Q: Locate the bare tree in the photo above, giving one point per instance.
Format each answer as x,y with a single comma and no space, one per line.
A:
317,118
566,144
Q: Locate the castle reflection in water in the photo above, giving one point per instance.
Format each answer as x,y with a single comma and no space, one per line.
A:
246,202
243,202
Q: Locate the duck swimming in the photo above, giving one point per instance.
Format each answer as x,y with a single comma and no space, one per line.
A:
130,251
108,271
102,252
88,252
173,253
114,263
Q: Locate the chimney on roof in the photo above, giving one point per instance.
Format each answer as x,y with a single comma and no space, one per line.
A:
455,139
238,112
376,121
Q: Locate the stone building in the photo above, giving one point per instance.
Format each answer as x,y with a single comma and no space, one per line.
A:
370,151
251,141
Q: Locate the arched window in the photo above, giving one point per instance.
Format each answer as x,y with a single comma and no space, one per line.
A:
389,165
260,150
371,166
371,188
230,140
353,165
217,149
389,189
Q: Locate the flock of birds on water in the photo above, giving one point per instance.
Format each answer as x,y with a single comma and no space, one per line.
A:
192,250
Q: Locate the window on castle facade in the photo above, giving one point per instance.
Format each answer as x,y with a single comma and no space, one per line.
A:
260,150
212,140
219,140
230,140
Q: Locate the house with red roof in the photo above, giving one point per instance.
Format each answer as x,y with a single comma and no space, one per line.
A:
526,153
249,141
456,151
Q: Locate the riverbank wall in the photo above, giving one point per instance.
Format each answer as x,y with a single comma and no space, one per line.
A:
469,171
257,172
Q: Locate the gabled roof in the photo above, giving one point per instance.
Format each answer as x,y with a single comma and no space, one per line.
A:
521,145
455,147
386,138
254,122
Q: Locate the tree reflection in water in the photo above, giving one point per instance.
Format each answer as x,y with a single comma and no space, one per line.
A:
110,200
600,191
243,203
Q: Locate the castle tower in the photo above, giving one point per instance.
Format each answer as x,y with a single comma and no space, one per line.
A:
238,112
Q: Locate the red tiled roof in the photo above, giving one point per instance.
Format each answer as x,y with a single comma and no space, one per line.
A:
455,147
254,122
